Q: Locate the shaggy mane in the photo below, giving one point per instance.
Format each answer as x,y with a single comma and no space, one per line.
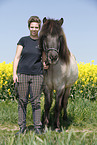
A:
53,28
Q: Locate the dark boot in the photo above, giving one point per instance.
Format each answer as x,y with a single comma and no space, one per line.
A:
21,131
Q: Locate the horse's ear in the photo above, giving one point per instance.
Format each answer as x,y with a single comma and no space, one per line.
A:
61,21
44,19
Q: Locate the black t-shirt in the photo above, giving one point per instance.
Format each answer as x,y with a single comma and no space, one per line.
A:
30,62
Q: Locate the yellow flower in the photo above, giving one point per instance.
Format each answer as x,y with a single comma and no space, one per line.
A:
92,61
5,83
93,85
8,90
9,93
54,91
81,91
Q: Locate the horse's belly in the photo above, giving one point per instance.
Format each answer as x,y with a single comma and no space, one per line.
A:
55,83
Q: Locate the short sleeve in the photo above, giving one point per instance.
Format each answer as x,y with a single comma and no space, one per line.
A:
21,42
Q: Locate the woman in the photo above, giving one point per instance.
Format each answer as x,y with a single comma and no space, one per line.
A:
27,72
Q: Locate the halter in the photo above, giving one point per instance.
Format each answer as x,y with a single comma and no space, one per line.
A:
51,49
47,50
47,58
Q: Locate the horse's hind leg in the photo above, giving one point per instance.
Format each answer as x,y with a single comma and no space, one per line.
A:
65,102
48,101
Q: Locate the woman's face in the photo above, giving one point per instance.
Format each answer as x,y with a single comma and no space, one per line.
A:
34,28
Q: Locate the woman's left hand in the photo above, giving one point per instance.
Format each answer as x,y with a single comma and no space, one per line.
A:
45,66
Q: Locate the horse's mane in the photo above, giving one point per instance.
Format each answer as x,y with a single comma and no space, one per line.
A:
53,28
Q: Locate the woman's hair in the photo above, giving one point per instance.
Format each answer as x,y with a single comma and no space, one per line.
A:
34,19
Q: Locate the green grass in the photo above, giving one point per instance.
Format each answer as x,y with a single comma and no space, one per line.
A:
50,138
79,129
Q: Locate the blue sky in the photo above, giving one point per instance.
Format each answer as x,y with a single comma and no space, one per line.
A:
80,25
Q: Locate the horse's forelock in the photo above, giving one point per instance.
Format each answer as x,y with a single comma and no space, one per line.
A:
52,27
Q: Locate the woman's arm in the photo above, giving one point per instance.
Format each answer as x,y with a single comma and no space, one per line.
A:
16,61
43,60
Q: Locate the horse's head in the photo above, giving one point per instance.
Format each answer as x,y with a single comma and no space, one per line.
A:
51,47
51,40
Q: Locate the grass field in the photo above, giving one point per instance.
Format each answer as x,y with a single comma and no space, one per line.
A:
79,129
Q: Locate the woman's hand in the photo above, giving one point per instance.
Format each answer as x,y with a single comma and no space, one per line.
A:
45,66
15,78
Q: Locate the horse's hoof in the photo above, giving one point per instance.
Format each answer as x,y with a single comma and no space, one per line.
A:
58,130
45,129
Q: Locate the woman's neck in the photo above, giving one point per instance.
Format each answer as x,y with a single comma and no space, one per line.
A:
36,37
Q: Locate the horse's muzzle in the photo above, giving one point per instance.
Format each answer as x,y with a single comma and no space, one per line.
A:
52,56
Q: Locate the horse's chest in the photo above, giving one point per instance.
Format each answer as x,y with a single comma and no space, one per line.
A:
61,75
54,77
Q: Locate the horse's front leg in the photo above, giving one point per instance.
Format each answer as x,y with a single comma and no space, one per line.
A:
47,105
58,107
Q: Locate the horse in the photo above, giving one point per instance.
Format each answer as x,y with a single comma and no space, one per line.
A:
62,69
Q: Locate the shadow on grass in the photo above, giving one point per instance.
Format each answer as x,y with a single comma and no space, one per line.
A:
66,123
30,128
63,123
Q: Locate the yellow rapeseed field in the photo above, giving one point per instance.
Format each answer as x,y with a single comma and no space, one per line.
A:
6,82
85,86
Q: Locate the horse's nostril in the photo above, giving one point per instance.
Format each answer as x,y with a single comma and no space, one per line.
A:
51,57
55,57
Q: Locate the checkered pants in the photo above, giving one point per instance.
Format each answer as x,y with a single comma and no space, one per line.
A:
29,84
